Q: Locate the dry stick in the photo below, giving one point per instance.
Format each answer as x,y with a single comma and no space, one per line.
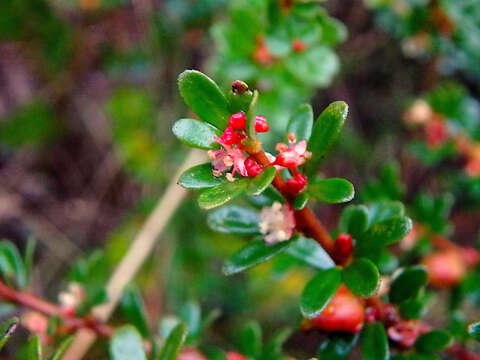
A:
137,253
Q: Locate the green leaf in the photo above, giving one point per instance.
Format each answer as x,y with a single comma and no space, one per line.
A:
223,193
374,342
325,132
35,348
62,348
204,97
234,220
134,310
319,291
301,122
474,330
383,210
196,133
249,339
250,121
239,102
191,315
254,253
127,344
408,283
260,182
273,348
331,191
388,231
435,340
362,277
29,256
301,201
354,220
337,346
309,251
175,340
12,266
7,329
200,177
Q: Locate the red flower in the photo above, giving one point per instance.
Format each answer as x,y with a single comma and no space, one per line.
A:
293,155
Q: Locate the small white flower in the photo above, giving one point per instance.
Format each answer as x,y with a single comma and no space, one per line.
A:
277,223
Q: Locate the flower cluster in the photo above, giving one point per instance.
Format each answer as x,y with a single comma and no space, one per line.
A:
232,155
277,223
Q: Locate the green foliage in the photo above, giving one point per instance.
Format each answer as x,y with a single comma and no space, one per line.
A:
474,330
134,309
200,177
12,266
234,220
301,122
127,343
254,253
408,283
326,131
35,351
332,190
249,339
337,346
374,342
204,97
435,340
319,291
7,328
62,348
362,277
310,252
195,133
174,341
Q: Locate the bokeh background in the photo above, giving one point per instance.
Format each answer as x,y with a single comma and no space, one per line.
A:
88,96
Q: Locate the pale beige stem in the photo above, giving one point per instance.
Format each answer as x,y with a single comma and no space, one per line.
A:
139,250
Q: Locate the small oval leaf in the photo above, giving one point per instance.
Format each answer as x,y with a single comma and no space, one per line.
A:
331,191
204,97
196,133
174,342
127,344
309,251
325,132
474,330
435,340
374,342
362,277
234,220
301,122
319,291
407,283
223,193
200,177
260,182
254,253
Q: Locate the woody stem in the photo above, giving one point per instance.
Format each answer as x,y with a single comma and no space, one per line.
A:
71,323
307,222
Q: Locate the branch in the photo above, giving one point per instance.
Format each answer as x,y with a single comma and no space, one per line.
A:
71,323
306,219
136,255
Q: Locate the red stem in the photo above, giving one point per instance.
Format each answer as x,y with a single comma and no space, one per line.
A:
306,220
71,323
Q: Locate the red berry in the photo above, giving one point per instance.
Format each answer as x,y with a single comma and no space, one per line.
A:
229,136
342,248
237,121
345,312
231,355
253,169
298,46
261,124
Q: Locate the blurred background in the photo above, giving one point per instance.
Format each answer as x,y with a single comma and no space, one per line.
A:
88,96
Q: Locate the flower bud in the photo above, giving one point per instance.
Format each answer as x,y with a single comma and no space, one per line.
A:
237,121
231,355
229,136
239,87
298,45
342,248
253,169
261,124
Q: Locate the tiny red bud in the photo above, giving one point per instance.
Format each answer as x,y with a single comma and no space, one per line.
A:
253,169
342,248
231,355
237,121
445,268
298,46
229,136
261,124
296,185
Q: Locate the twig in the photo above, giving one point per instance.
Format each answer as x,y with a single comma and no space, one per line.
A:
306,220
71,323
137,253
